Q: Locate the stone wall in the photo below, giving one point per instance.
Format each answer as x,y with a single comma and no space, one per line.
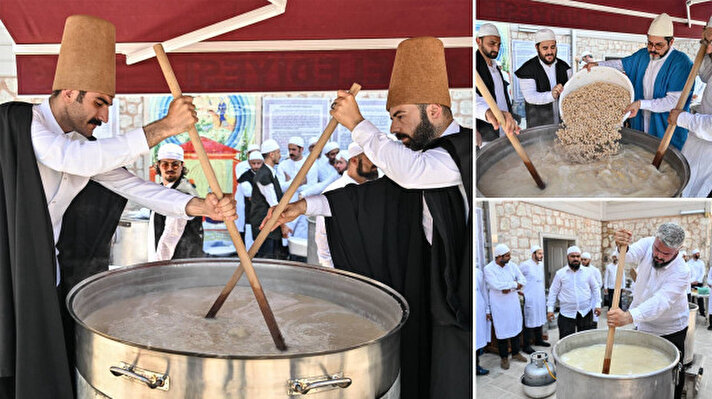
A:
697,231
521,225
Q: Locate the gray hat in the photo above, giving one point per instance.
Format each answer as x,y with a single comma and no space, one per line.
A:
671,234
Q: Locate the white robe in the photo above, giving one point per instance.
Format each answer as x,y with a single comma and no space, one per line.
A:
698,147
483,329
534,293
506,311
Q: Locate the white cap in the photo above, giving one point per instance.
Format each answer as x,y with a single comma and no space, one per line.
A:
354,149
695,251
543,35
661,26
269,146
535,248
296,140
573,249
343,155
253,147
585,255
500,250
170,151
587,53
330,146
254,156
488,30
313,140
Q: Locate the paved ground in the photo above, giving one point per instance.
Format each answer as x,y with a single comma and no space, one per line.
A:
505,384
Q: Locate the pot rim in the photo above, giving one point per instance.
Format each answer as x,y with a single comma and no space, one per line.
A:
127,269
669,367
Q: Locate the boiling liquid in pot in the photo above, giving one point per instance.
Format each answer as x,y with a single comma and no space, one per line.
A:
629,173
175,320
625,360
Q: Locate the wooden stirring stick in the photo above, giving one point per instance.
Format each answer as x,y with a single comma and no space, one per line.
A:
665,142
231,228
614,305
318,147
512,138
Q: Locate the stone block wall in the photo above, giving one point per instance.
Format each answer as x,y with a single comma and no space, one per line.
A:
521,225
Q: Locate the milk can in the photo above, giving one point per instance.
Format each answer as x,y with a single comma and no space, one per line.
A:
539,379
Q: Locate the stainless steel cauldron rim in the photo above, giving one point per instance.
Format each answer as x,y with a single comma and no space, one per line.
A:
534,134
558,360
405,308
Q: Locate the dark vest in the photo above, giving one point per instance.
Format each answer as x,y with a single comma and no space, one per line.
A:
541,114
486,130
247,178
259,206
190,244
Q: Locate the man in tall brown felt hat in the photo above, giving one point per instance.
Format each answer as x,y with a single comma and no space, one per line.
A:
412,228
54,204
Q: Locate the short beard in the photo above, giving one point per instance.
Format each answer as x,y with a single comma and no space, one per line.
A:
659,265
423,134
545,61
373,175
574,267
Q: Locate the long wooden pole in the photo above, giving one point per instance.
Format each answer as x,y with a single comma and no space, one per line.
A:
614,305
511,136
665,142
296,181
231,228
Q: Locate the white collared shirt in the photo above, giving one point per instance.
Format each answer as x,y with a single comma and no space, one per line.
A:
532,96
291,168
697,270
577,292
659,300
66,162
609,278
322,243
410,169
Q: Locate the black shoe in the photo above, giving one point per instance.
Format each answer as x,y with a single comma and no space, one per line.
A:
528,350
481,371
710,327
542,343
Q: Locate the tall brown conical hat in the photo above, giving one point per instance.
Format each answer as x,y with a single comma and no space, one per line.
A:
87,57
419,74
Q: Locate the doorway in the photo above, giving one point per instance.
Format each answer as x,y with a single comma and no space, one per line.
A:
555,256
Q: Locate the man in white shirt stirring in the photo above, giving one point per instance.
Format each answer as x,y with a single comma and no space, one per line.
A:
659,302
578,293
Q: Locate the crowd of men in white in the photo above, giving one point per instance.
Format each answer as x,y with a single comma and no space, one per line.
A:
575,288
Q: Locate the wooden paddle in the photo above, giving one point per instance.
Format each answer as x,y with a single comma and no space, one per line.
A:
296,181
665,142
511,136
614,305
231,228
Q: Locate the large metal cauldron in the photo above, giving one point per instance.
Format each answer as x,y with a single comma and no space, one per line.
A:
367,370
501,147
575,383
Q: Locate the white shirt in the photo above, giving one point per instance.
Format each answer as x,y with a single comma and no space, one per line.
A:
647,103
659,300
534,293
268,191
577,292
173,229
697,270
290,168
532,96
698,145
505,307
481,105
66,162
410,169
483,328
322,243
609,278
709,277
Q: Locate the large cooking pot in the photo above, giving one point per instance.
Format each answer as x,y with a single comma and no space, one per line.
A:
130,242
121,369
573,382
500,148
690,336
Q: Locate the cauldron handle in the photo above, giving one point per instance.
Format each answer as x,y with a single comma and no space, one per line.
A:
303,388
119,371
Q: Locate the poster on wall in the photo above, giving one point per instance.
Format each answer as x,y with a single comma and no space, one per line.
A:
373,110
284,117
227,119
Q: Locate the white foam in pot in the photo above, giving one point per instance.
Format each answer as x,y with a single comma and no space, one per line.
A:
597,74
